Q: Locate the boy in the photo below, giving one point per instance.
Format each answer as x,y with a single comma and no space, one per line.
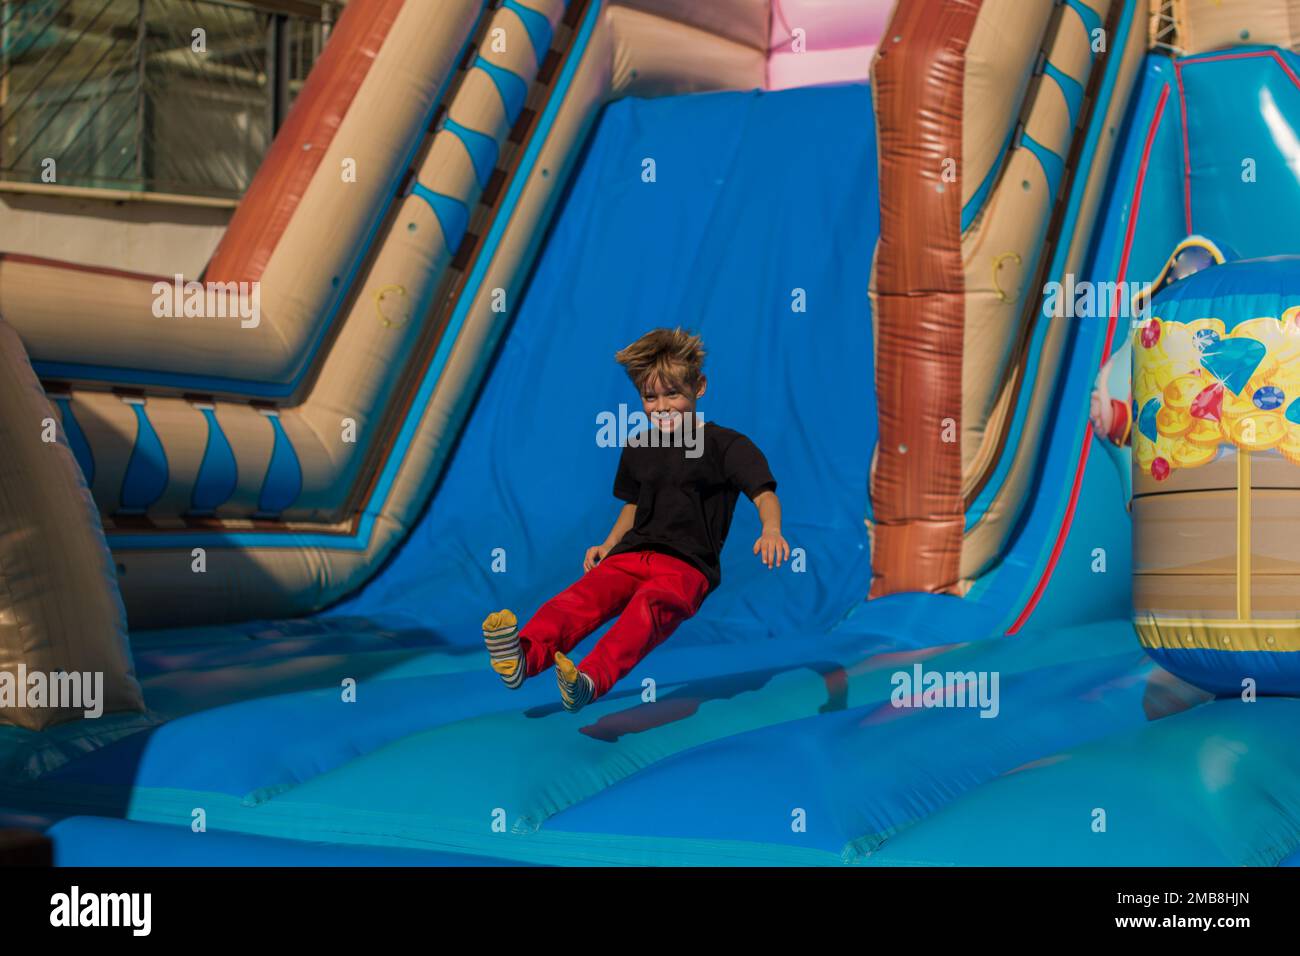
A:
661,558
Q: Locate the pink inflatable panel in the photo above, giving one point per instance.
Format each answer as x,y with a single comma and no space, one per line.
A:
839,38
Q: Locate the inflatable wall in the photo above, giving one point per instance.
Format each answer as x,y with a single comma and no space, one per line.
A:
993,159
61,620
823,41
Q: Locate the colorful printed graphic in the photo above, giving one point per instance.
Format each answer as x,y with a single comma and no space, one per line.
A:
1198,386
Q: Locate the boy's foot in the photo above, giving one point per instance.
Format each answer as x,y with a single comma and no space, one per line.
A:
501,635
576,688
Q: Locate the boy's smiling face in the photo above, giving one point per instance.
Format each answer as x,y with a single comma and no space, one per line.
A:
666,404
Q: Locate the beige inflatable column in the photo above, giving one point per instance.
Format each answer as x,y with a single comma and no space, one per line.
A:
63,643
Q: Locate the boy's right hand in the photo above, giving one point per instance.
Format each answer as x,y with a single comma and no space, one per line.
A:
595,555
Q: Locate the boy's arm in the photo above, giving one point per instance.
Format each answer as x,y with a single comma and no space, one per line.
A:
622,524
747,469
771,547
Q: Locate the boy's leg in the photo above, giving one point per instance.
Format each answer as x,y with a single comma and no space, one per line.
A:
566,619
576,688
672,592
501,635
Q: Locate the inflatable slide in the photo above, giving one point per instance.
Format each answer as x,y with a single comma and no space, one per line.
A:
268,506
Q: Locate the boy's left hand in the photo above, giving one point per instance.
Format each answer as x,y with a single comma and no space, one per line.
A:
772,549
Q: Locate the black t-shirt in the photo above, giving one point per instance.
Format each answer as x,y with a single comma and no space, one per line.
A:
684,504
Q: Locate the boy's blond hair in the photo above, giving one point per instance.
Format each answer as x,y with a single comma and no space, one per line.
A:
674,356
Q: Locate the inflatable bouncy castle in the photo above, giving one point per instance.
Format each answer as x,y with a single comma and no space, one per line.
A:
259,497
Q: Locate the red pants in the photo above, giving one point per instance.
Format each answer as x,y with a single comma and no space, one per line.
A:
654,593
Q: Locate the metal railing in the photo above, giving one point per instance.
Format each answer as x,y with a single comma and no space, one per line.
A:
177,96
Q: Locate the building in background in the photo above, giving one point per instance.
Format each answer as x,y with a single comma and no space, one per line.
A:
159,96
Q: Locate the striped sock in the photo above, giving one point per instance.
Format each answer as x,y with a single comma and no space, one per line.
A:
501,635
576,688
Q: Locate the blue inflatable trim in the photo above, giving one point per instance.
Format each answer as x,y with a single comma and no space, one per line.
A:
1053,165
283,481
452,215
217,473
510,85
146,471
538,27
1071,88
481,147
